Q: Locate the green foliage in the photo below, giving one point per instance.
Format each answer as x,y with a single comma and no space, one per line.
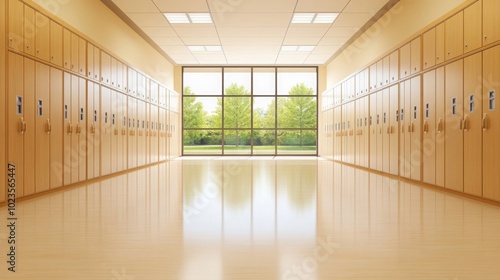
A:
194,117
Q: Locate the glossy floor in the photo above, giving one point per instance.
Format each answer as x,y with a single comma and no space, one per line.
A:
252,218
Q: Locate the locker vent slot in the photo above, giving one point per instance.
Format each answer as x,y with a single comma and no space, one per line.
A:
19,105
40,108
378,119
124,121
106,117
113,119
454,106
397,115
472,103
365,121
402,114
142,124
81,114
95,116
415,112
492,102
427,110
65,111
348,125
385,118
371,120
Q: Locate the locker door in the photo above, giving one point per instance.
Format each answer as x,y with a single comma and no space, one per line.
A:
491,21
141,145
429,48
42,128
113,71
118,130
82,129
90,61
97,64
454,36
119,78
56,43
124,78
75,56
115,131
154,142
42,38
373,77
68,129
415,56
429,128
97,130
124,132
358,131
416,130
394,67
148,133
132,143
394,130
16,26
74,115
16,118
472,27
366,132
379,131
386,76
105,68
405,101
91,130
386,144
440,41
440,119
472,125
67,48
29,133
380,73
105,131
405,60
373,131
29,30
453,128
351,126
491,121
56,128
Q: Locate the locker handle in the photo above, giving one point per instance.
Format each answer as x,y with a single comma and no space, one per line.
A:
388,129
22,126
116,131
49,127
78,128
426,127
461,124
485,122
466,123
92,129
440,126
409,127
70,128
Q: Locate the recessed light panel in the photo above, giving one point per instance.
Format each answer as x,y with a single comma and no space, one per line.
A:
188,17
325,18
303,17
314,17
205,48
297,48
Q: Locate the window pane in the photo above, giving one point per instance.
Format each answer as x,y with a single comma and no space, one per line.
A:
297,112
237,142
203,81
296,142
264,112
297,81
263,141
202,112
264,81
202,142
237,81
237,112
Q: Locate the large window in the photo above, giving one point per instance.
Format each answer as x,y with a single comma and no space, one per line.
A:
249,110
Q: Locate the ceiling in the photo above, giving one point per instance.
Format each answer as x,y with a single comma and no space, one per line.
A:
250,32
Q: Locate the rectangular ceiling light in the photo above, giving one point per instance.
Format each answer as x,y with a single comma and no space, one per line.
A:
205,48
297,48
188,17
314,17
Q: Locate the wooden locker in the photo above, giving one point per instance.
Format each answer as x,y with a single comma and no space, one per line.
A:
491,121
131,140
472,27
154,138
105,68
29,30
379,130
140,133
338,132
90,60
81,129
351,144
75,55
120,124
366,83
56,128
440,119
386,66
454,36
386,144
440,43
394,130
429,48
105,131
67,129
124,78
97,130
91,130
42,39
405,60
472,125
82,56
124,132
74,115
97,64
373,77
380,73
416,129
415,55
16,122
113,73
394,66
67,48
491,21
358,83
373,131
42,127
119,77
404,137
115,133
429,128
16,25
366,132
454,162
29,133
148,133
56,43
345,119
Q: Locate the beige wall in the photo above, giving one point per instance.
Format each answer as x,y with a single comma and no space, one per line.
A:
399,24
101,25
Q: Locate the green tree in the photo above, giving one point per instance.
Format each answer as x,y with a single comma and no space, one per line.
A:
298,112
237,110
194,117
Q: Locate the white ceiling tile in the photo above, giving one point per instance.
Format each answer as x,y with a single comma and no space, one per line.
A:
251,59
300,41
254,20
252,49
181,6
315,6
341,31
138,6
201,41
325,49
195,30
370,6
251,41
176,49
252,32
323,57
220,8
314,30
167,41
352,19
333,41
148,19
292,58
153,31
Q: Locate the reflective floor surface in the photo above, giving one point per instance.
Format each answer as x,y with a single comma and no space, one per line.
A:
252,218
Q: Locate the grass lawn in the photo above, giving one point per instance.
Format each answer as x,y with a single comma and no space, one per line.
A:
231,149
